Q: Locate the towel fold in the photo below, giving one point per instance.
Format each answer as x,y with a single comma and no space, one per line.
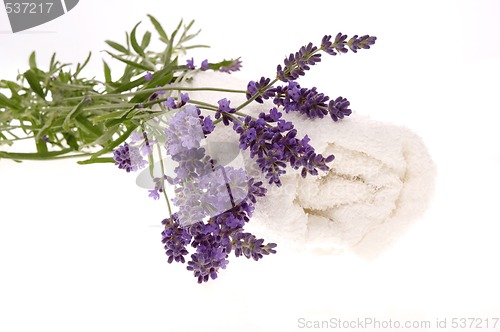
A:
380,182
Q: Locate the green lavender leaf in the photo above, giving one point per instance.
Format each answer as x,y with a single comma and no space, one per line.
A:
118,47
105,137
130,85
71,140
6,102
109,116
161,78
133,41
33,156
32,60
146,39
159,29
107,72
170,45
53,63
80,67
92,132
34,83
130,63
118,121
46,126
185,37
108,148
68,119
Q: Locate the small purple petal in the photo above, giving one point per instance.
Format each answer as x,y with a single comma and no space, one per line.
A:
204,65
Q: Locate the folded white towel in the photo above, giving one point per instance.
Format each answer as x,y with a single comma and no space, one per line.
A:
380,182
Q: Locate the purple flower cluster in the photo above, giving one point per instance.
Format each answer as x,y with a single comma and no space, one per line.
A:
214,202
128,157
183,132
175,239
309,102
204,64
203,189
260,90
275,147
214,240
297,63
246,244
235,65
340,43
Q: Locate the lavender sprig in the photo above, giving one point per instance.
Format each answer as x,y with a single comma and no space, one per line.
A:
148,105
296,64
272,142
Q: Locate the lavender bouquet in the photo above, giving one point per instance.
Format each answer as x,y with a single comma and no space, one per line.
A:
145,119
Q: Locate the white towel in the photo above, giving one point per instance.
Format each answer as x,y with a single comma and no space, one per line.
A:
380,181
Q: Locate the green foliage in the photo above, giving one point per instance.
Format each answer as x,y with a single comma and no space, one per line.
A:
69,115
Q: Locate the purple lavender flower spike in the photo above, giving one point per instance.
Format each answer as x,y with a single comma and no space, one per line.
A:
338,108
306,101
184,131
296,64
356,43
275,147
175,239
129,158
214,202
215,239
337,46
206,262
249,246
235,65
254,88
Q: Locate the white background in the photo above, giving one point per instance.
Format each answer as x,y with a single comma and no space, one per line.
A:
80,245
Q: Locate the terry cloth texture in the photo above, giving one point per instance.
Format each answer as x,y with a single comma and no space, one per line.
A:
380,182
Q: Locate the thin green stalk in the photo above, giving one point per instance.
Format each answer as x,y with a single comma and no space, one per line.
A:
152,90
163,181
35,155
